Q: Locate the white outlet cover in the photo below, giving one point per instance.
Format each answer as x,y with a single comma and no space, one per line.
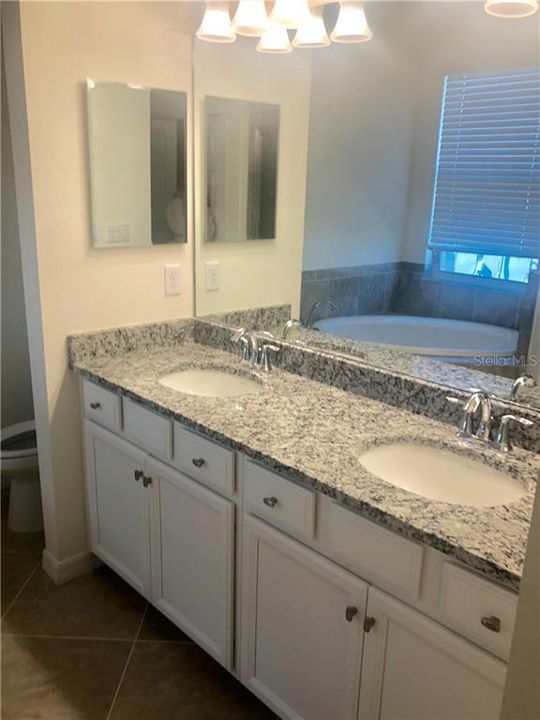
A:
172,279
212,275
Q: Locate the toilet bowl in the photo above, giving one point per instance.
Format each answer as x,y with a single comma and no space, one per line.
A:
19,463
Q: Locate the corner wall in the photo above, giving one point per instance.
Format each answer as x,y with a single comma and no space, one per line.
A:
80,288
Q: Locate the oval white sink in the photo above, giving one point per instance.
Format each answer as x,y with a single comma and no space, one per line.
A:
442,475
210,383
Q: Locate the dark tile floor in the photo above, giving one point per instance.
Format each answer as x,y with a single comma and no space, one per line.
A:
93,649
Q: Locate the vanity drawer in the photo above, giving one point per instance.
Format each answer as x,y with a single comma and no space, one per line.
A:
147,429
102,406
478,609
205,461
372,551
281,502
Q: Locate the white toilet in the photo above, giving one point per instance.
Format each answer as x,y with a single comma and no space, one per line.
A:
19,457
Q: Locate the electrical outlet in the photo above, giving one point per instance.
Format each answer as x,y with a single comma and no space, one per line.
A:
172,279
212,275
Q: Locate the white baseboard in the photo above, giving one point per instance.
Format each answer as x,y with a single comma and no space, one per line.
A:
63,570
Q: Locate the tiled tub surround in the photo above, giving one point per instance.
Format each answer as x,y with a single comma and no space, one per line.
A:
402,288
314,433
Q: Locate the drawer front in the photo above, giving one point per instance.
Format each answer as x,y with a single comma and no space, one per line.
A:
374,552
203,460
478,609
281,502
148,429
102,406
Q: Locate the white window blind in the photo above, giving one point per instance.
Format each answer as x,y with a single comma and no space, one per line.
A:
487,183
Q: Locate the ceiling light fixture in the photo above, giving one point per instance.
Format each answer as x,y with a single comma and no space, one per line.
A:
312,32
275,40
290,13
351,25
511,8
216,24
250,18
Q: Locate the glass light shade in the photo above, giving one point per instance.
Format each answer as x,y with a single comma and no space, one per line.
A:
312,32
216,24
511,8
351,25
290,13
250,18
275,40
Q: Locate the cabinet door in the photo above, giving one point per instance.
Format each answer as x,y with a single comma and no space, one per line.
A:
118,507
301,627
414,668
193,559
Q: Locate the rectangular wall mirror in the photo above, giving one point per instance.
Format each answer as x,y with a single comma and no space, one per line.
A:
241,169
137,149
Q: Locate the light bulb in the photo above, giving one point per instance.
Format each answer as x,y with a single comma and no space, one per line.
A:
216,24
290,13
275,40
511,8
351,25
312,32
250,18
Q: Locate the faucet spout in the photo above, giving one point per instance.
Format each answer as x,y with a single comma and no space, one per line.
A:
318,304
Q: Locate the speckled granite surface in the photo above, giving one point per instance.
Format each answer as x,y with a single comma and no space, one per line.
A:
315,434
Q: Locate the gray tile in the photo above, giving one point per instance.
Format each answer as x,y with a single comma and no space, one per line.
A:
311,292
99,604
16,569
455,302
166,681
156,627
413,295
58,679
344,293
372,292
495,307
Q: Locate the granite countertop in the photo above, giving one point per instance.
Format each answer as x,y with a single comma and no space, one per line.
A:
315,434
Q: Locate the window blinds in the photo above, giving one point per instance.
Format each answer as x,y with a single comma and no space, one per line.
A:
487,184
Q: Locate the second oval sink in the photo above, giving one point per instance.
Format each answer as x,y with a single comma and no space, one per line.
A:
442,475
210,383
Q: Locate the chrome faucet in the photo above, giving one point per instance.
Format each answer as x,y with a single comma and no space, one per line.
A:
502,439
288,327
264,355
248,344
478,399
318,304
524,380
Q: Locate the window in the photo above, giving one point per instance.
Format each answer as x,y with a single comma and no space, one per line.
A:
485,218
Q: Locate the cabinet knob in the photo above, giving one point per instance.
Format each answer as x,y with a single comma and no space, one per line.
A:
198,462
350,613
146,481
138,474
270,501
491,622
95,405
369,622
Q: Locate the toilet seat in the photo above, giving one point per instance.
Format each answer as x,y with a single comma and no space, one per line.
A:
18,447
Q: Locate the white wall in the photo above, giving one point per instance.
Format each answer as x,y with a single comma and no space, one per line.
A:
360,141
374,125
262,272
16,382
80,288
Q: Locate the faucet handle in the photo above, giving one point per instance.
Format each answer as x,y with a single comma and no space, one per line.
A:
502,440
266,349
238,334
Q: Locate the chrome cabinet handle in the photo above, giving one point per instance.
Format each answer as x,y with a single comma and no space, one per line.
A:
95,405
138,474
198,462
369,622
146,481
350,613
270,501
492,622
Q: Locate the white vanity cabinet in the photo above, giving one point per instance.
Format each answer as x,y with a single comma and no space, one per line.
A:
302,629
118,506
415,668
169,537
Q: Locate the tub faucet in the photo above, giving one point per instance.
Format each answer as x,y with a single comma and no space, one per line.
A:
318,304
288,327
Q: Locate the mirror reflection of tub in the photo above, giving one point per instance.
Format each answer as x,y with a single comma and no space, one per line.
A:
453,341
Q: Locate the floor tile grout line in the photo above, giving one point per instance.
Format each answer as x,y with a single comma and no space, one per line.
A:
124,671
23,586
96,638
